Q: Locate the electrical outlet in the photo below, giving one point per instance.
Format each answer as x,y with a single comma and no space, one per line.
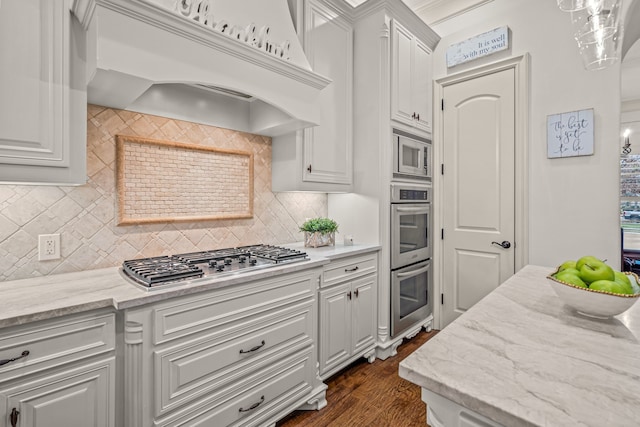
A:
48,247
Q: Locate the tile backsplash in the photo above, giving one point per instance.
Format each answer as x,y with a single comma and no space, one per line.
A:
85,216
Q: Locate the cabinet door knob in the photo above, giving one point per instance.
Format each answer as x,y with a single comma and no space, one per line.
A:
13,417
357,291
309,168
417,116
5,361
349,294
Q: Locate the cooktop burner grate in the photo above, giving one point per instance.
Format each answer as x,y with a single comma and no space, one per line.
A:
151,271
161,270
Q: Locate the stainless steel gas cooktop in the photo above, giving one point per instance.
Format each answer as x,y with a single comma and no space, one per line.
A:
164,270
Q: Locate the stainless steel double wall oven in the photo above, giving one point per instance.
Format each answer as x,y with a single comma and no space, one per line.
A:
411,279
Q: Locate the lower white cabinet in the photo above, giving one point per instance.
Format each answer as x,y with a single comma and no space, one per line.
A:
59,373
241,355
81,397
347,316
442,412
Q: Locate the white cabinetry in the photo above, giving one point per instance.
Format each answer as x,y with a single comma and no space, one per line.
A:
242,355
63,373
347,312
43,104
320,158
442,412
411,91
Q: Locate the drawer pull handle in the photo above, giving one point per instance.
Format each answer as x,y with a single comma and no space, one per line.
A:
13,417
347,270
254,406
251,350
5,361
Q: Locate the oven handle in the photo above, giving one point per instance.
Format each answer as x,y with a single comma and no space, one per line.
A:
424,209
414,272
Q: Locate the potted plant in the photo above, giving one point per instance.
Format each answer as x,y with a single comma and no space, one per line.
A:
319,232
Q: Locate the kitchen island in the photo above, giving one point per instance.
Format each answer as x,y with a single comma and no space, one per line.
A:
520,357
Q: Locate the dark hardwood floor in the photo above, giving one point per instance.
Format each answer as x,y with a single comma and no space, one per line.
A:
364,395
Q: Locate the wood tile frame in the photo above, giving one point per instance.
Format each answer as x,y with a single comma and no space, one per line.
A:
125,218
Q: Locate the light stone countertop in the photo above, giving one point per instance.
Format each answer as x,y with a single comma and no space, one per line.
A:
522,358
46,297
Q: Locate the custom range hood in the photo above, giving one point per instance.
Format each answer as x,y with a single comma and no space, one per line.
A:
236,64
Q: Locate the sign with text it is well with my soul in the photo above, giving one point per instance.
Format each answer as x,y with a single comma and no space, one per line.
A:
476,47
570,134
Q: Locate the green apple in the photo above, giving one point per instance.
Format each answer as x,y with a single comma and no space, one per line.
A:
571,278
567,264
624,281
608,286
570,270
593,269
582,261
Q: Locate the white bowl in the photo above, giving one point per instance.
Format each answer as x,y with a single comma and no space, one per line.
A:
593,303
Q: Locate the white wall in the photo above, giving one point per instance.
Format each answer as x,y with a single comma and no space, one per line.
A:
573,202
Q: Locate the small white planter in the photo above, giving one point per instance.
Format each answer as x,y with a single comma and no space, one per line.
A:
314,240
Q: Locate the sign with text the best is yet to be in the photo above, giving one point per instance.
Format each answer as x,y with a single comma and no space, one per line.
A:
570,134
476,47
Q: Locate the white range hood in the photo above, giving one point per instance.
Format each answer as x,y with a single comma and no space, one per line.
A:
207,61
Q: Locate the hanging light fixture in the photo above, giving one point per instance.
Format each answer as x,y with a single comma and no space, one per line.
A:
597,31
626,148
575,5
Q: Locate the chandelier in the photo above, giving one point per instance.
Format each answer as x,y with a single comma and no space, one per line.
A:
596,28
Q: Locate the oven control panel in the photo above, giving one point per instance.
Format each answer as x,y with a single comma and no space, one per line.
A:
410,193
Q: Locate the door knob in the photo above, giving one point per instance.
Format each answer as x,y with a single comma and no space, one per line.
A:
505,244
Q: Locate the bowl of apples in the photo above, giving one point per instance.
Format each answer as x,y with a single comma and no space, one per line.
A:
593,288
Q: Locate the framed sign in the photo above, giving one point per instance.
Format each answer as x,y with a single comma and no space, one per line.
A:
570,134
476,47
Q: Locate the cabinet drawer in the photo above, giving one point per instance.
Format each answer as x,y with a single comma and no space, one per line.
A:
254,400
347,269
195,369
55,343
182,317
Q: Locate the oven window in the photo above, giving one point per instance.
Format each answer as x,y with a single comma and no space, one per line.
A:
413,232
410,156
413,294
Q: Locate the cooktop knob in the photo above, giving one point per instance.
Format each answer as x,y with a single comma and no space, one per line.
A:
220,267
228,261
253,261
213,263
242,259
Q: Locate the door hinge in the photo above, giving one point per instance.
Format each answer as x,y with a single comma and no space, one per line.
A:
442,104
441,168
442,299
442,234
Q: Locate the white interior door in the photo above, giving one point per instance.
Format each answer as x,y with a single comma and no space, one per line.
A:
478,189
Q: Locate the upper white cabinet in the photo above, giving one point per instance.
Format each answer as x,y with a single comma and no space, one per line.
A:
320,158
43,104
411,92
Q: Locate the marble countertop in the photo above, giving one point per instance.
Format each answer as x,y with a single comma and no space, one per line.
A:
522,358
46,297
